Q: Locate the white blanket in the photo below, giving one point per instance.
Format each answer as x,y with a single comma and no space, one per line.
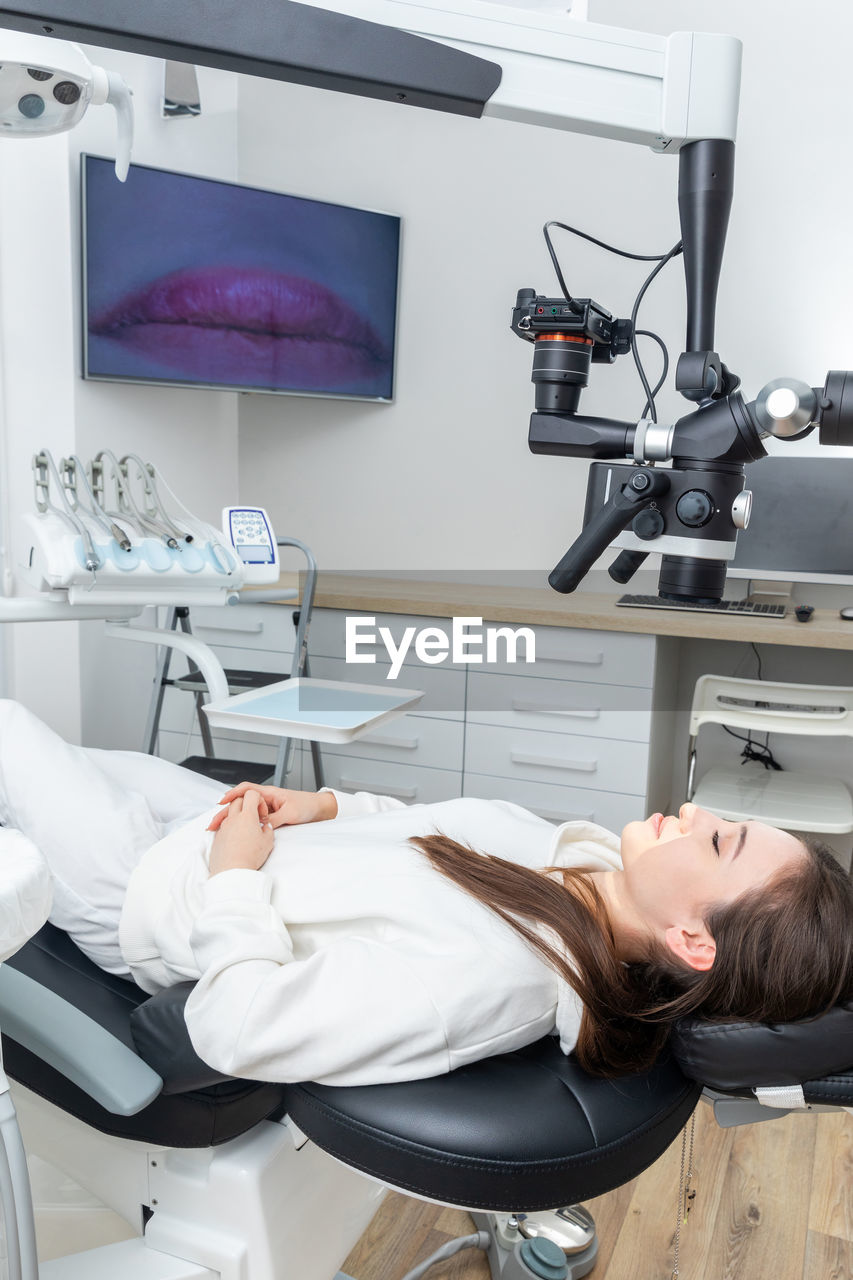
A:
92,814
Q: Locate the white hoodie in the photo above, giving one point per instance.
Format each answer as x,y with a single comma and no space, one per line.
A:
347,959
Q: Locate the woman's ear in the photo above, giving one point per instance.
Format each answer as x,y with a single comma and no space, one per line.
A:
696,948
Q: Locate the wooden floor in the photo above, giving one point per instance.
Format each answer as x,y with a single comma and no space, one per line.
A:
774,1202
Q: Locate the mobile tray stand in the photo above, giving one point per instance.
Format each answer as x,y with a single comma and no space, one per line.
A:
319,710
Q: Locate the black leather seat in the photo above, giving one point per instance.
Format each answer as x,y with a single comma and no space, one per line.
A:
523,1130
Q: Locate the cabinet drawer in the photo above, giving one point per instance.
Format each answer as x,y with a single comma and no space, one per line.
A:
412,739
596,710
245,626
600,764
559,804
445,690
327,637
603,657
384,778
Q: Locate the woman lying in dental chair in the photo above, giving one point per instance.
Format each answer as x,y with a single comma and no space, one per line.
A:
353,940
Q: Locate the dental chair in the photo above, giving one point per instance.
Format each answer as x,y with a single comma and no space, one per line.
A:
228,1179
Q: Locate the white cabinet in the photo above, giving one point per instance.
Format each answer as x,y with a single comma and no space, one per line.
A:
580,733
418,757
596,764
584,731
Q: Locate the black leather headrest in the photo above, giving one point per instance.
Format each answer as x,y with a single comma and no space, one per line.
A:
737,1055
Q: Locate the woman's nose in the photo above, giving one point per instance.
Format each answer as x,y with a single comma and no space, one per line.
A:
686,814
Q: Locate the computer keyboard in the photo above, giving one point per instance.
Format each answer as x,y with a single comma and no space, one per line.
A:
749,607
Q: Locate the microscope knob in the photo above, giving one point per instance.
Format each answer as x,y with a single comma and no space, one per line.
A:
742,509
785,408
648,524
695,508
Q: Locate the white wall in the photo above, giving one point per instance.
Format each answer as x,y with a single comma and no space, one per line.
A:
72,676
787,273
783,305
443,478
37,370
190,435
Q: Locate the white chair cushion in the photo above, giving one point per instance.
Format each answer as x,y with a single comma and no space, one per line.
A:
791,800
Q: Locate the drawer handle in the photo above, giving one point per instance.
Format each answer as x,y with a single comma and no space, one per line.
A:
587,660
540,709
378,740
564,817
551,762
255,629
402,793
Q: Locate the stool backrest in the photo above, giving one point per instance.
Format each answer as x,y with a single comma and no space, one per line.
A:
775,707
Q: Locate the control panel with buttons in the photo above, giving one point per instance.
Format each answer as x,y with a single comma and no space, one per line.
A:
250,532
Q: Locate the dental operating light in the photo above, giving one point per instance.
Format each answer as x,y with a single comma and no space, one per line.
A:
677,94
46,86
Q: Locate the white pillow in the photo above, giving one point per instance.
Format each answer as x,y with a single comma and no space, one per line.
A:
26,890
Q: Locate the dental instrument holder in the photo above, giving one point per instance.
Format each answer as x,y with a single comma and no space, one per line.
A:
83,552
699,513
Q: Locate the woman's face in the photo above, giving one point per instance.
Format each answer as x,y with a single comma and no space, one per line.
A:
675,868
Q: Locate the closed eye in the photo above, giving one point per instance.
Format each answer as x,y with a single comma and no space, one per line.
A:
715,841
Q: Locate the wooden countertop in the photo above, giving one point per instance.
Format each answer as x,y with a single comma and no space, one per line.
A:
541,606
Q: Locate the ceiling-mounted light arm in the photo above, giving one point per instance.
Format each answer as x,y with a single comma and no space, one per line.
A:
109,88
46,86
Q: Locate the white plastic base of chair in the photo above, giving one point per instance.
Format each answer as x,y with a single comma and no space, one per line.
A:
130,1259
793,801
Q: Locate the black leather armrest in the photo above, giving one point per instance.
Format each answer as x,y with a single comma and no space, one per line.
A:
160,1034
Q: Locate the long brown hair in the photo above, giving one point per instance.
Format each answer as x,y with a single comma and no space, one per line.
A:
784,950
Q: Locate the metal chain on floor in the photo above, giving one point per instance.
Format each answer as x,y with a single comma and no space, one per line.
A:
686,1192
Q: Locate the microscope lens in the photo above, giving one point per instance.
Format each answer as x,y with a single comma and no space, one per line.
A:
560,371
39,75
31,105
66,92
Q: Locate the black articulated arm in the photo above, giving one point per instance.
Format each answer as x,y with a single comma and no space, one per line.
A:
278,39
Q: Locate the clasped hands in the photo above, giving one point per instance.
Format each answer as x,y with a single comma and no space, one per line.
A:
245,826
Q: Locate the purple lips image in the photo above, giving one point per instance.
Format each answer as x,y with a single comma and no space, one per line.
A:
249,326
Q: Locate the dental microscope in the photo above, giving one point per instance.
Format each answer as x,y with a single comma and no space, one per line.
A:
691,512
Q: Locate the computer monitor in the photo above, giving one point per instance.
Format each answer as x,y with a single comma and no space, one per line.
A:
801,527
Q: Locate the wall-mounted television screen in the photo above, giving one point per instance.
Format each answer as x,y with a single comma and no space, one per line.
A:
194,282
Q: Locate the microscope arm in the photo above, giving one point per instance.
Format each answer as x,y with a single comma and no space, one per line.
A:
462,56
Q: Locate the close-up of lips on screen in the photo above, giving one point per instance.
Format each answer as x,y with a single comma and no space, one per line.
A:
248,326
